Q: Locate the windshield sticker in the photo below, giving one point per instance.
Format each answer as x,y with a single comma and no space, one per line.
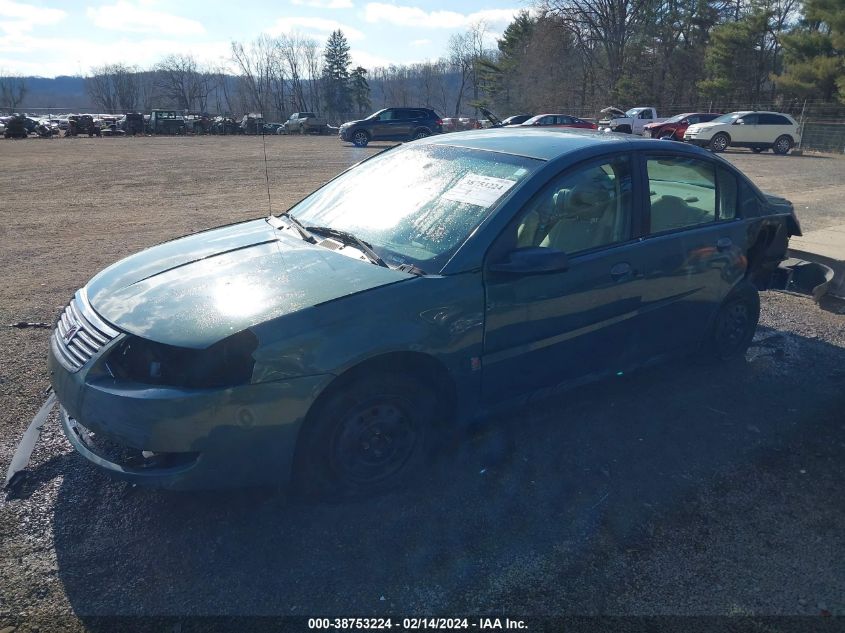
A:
481,191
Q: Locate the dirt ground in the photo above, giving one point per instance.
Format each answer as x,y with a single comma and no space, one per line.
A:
681,489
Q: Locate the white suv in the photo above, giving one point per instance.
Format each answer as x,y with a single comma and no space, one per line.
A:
756,130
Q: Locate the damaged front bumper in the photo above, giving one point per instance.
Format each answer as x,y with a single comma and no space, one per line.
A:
179,439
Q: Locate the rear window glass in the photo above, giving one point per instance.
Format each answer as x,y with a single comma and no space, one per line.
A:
682,193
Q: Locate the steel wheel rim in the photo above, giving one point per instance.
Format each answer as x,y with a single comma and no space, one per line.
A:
374,441
732,328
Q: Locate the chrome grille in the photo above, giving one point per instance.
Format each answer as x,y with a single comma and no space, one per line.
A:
80,333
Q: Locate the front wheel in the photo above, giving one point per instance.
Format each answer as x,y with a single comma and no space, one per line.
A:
667,136
367,437
720,142
782,145
735,323
360,138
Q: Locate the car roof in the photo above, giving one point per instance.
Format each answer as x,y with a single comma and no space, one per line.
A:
542,144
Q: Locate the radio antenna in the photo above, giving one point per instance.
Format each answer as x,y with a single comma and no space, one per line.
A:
266,172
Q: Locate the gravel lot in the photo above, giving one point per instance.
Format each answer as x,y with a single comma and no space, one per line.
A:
681,489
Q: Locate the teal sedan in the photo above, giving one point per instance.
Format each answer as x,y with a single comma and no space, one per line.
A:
331,345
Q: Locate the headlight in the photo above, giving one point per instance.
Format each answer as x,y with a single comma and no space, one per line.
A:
225,364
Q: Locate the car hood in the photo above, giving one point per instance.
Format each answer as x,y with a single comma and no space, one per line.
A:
197,290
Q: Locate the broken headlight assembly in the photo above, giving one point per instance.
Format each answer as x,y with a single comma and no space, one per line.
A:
227,363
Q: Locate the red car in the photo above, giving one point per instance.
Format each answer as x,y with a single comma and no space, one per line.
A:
673,129
558,120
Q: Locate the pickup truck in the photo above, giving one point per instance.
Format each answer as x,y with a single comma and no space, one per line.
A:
631,122
305,123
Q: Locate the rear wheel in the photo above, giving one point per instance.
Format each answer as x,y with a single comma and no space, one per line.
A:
720,142
782,145
365,438
421,133
735,323
360,138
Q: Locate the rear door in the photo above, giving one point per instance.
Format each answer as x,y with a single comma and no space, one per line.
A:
404,123
692,251
776,125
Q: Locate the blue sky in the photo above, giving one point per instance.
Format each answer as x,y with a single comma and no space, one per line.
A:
56,37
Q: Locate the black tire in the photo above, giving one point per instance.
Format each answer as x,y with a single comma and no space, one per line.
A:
667,136
757,150
360,138
782,145
367,437
421,133
735,323
720,142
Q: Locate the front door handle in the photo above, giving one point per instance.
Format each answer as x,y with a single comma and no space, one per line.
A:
724,243
621,271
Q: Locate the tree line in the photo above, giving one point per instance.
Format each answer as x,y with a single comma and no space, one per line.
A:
570,55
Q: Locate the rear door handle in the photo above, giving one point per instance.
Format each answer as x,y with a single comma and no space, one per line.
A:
621,271
724,243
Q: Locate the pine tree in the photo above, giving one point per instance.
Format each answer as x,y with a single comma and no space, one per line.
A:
359,89
814,53
336,85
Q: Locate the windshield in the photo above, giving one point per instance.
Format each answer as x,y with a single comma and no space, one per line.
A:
374,115
633,112
675,119
728,118
416,205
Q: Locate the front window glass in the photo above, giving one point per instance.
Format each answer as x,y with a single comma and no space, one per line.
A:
682,192
416,204
581,210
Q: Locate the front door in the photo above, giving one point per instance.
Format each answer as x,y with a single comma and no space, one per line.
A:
543,328
746,132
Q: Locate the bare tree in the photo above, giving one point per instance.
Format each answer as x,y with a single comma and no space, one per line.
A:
13,89
607,27
114,87
262,75
182,81
465,51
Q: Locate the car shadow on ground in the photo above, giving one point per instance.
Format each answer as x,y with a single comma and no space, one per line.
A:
529,509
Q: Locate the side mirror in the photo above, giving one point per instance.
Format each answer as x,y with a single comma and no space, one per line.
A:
739,122
532,260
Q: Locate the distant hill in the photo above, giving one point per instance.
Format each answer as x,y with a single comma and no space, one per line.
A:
62,93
